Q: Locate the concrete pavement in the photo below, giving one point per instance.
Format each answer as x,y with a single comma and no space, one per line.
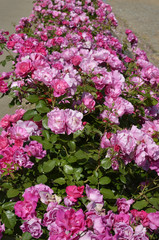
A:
142,17
10,13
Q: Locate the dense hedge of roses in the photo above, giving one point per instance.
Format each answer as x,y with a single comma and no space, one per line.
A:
93,120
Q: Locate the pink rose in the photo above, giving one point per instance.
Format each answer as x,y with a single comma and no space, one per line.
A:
154,220
3,142
60,87
23,68
33,226
56,121
88,101
25,209
74,192
124,205
76,60
2,229
73,121
35,149
94,195
5,121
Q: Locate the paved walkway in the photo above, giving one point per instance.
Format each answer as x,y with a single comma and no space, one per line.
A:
141,16
10,13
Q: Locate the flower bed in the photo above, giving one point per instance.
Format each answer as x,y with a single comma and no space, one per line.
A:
90,136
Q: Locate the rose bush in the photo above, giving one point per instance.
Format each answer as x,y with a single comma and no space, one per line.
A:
92,119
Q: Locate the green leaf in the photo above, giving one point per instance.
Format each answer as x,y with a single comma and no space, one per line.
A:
26,236
53,138
140,204
154,101
68,169
45,122
104,180
150,210
81,154
12,193
37,118
7,185
9,219
48,166
60,181
107,193
29,114
72,145
154,202
33,98
45,133
41,107
123,179
8,205
150,102
37,138
3,63
42,179
106,163
77,134
93,180
72,159
47,145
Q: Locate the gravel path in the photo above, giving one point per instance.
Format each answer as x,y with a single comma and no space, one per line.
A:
142,17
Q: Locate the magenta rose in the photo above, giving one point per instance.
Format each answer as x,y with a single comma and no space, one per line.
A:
74,192
25,209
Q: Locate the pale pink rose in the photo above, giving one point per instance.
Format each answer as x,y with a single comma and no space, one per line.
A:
18,133
45,75
73,121
68,53
88,101
34,192
88,64
33,226
126,142
140,233
141,156
123,231
113,117
56,121
30,127
94,195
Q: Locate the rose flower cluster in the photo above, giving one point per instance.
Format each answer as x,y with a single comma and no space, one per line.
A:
63,222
